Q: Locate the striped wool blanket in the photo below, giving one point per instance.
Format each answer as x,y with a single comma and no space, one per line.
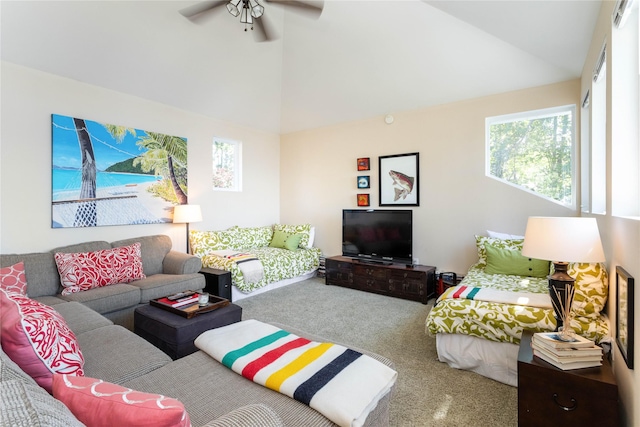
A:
340,383
493,295
250,266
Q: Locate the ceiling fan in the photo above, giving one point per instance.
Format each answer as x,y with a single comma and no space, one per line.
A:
252,13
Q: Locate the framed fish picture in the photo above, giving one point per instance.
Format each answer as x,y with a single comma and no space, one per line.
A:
399,180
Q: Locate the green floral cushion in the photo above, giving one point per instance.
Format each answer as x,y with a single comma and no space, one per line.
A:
203,242
481,241
591,288
252,237
303,229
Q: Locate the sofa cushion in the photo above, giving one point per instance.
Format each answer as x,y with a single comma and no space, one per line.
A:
93,246
107,298
116,354
40,271
161,285
25,404
249,415
98,403
81,318
13,279
88,270
37,338
153,249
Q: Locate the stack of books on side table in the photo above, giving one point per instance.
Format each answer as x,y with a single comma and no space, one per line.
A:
576,354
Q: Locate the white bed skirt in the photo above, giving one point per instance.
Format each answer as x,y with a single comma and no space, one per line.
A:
237,295
495,360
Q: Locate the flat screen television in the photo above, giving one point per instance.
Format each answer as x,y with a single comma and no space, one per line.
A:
383,236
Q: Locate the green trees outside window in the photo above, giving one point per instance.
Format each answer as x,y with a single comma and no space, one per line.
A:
534,151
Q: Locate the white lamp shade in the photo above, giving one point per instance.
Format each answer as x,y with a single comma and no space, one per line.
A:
564,239
187,213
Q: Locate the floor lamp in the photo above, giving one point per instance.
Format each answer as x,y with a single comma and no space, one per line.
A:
563,240
185,214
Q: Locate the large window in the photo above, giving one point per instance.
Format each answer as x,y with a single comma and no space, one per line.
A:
598,133
227,161
625,127
534,151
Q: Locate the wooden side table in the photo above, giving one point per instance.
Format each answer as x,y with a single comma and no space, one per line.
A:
550,396
217,282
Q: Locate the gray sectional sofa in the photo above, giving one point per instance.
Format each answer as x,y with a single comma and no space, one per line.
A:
212,394
167,272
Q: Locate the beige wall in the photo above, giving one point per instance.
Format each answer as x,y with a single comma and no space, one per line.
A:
621,236
29,97
457,200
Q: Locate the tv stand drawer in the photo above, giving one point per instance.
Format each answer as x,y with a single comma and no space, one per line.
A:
416,283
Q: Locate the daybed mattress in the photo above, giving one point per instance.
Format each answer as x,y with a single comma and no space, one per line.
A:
495,360
279,264
502,322
237,295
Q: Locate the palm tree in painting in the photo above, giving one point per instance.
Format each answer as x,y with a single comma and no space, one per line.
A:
165,155
86,215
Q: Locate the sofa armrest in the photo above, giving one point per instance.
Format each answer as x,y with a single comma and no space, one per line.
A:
249,415
180,263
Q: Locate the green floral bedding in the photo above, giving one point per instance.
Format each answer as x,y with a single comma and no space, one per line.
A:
505,322
279,264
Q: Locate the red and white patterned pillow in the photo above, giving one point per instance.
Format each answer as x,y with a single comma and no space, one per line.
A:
98,403
38,339
13,279
87,270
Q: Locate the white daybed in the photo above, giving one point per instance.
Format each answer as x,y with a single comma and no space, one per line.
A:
483,335
264,249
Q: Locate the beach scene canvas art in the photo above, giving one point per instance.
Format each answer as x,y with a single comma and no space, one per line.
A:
105,174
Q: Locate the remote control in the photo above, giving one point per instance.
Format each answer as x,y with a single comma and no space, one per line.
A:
179,295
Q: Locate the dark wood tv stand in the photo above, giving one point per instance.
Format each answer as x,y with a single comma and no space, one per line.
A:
416,283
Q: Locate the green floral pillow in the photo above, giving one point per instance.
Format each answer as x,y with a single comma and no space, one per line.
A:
303,229
252,237
591,288
203,242
481,241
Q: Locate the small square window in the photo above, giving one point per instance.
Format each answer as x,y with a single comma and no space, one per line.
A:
227,161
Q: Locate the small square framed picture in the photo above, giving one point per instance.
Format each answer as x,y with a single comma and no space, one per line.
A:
363,200
363,163
363,181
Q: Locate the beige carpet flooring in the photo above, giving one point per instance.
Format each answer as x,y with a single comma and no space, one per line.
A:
428,392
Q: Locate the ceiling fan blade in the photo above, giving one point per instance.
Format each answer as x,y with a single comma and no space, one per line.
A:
263,31
200,7
310,7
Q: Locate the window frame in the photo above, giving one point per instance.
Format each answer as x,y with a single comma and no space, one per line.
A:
237,164
533,115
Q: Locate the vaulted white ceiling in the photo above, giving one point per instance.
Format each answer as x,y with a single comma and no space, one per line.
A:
359,59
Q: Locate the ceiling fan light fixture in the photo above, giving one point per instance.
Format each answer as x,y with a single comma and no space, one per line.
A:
256,8
246,17
232,7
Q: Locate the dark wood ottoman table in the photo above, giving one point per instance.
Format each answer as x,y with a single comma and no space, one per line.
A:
175,334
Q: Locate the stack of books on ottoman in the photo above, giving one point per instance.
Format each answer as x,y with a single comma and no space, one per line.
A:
575,354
